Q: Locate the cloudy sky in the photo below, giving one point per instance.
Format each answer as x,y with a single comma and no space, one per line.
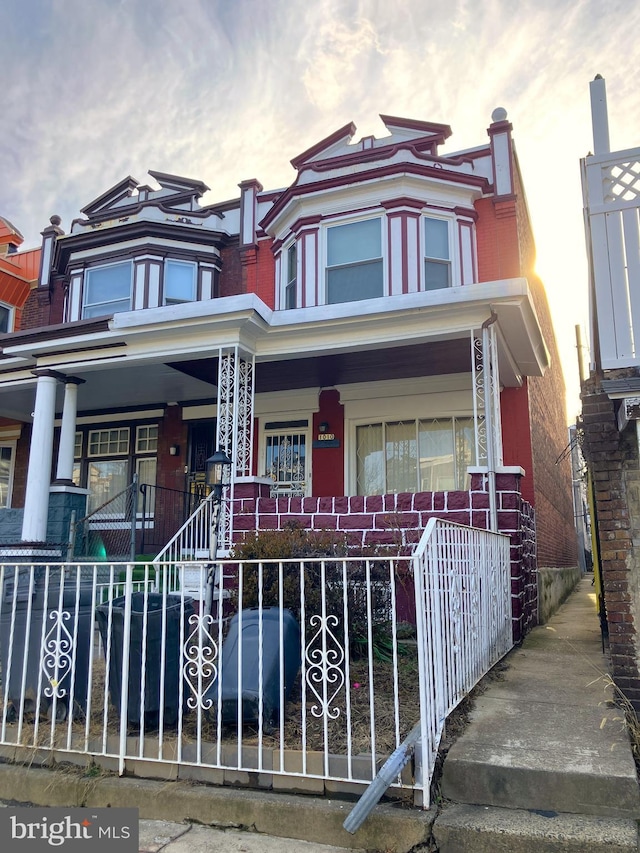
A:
227,90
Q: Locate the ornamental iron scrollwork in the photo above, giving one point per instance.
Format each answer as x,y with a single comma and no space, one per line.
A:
57,650
200,668
324,656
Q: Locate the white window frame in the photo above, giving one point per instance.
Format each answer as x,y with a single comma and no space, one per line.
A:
289,284
454,267
87,275
352,220
11,317
141,440
385,420
306,431
104,454
12,445
169,262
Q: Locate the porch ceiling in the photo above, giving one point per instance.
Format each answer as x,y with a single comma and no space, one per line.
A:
323,371
119,386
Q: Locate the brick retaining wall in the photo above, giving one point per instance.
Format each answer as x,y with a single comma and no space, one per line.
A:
398,520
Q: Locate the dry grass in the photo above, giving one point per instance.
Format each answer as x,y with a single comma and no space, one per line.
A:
370,692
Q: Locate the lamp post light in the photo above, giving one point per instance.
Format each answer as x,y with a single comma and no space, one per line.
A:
218,467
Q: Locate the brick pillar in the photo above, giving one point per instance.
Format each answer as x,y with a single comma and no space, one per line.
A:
613,460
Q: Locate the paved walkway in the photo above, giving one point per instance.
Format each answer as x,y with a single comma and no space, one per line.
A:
546,747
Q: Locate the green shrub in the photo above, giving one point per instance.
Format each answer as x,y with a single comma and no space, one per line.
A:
279,548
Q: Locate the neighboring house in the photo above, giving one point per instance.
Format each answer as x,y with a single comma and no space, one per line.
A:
611,395
18,276
371,345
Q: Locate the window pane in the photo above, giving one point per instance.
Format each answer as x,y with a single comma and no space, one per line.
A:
6,455
290,296
106,308
436,234
147,439
108,442
5,314
107,290
465,450
357,241
291,263
437,275
401,453
146,469
290,288
179,282
370,460
351,284
286,460
437,468
105,481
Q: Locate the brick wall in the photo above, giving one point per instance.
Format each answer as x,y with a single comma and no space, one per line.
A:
398,520
534,416
613,460
231,271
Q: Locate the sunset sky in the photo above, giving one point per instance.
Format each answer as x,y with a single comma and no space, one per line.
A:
224,91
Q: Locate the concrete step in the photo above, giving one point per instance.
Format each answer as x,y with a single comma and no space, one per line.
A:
549,756
482,829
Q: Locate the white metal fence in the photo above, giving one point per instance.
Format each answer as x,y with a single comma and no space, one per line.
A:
314,668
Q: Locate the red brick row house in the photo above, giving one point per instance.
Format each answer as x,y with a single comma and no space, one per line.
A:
371,345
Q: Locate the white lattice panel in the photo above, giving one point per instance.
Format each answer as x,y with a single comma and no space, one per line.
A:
611,188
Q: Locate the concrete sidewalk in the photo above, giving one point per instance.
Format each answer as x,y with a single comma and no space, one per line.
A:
546,745
158,836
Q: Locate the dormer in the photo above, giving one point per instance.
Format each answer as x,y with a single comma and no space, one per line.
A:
140,247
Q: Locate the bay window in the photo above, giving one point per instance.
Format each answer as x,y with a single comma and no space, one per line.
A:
354,261
107,289
437,262
414,456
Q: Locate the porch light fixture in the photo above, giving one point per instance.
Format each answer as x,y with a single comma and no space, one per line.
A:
323,427
174,450
217,467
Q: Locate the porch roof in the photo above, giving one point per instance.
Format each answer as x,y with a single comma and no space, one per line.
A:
167,352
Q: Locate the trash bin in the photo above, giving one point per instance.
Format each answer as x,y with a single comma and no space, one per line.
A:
271,693
57,643
153,701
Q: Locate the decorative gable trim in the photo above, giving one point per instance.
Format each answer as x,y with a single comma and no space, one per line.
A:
123,189
339,137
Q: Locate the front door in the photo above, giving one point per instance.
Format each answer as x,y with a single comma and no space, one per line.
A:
202,444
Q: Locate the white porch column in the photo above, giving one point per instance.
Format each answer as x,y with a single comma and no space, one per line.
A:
36,502
64,471
486,405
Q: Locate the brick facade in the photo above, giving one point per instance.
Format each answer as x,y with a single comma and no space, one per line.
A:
396,521
614,462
